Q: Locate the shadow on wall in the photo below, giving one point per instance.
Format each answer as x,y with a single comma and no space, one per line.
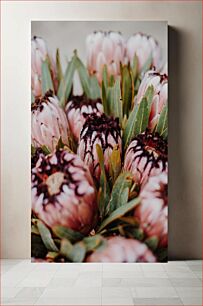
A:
184,232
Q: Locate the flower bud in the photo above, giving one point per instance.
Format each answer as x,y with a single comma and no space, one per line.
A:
105,48
77,111
49,122
145,156
63,192
160,84
152,213
147,50
120,249
101,130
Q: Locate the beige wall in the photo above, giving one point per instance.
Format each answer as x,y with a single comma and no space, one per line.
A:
184,19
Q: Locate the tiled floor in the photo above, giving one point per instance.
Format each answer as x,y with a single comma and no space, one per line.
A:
174,283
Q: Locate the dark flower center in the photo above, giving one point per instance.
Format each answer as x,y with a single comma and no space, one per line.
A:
79,101
153,147
38,103
51,175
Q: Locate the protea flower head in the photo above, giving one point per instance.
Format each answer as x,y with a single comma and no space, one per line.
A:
160,85
101,130
152,213
63,192
77,110
120,249
39,53
145,156
105,48
38,152
49,122
147,50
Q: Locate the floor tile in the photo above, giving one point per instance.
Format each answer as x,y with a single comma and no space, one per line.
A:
189,291
185,282
74,292
30,292
118,301
192,301
115,292
146,282
21,301
9,292
153,292
158,301
61,282
155,274
69,301
178,274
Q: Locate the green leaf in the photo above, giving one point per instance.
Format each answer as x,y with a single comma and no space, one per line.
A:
149,94
104,99
67,233
94,88
119,194
162,126
119,212
116,102
58,66
66,83
135,67
152,242
32,98
76,252
38,249
45,150
84,76
129,130
147,64
91,243
33,150
46,77
142,117
104,193
127,90
46,237
105,76
115,163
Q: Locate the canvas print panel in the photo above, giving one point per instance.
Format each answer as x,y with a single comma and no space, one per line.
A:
99,149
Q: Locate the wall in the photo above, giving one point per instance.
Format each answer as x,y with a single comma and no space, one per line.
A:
185,64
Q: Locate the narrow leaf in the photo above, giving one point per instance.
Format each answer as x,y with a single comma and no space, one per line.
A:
67,233
104,193
142,117
127,90
119,212
130,127
162,125
46,237
91,243
46,77
84,77
115,163
45,150
94,88
119,194
58,66
66,83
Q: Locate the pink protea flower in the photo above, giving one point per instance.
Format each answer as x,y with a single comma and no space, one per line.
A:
101,130
49,122
63,192
160,85
36,156
39,53
120,249
147,50
152,213
145,156
105,48
77,111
